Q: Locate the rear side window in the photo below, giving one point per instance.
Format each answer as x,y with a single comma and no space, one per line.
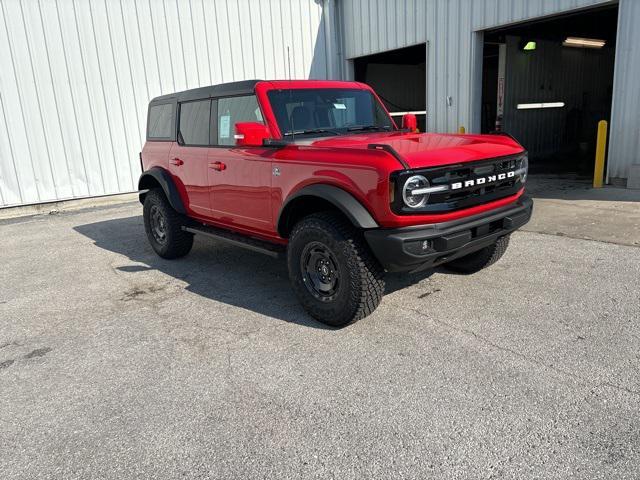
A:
233,110
160,122
194,122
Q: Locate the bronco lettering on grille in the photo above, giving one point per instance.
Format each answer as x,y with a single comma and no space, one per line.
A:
482,180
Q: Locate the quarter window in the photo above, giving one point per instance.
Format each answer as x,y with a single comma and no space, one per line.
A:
233,110
194,122
160,121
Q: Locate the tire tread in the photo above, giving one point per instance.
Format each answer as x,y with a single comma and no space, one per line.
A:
481,259
180,242
367,285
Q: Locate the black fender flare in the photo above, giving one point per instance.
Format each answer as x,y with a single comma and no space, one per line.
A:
163,178
341,199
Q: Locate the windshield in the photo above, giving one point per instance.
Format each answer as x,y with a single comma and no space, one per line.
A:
327,111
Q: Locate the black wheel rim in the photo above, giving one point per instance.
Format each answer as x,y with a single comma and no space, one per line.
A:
158,225
320,272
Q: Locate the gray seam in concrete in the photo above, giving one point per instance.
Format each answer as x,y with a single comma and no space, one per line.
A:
581,380
564,235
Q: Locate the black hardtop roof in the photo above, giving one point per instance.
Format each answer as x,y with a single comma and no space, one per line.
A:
244,87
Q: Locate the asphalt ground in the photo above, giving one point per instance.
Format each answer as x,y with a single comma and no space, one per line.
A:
116,364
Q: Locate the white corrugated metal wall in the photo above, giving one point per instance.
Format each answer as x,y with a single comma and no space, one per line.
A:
624,139
77,75
450,29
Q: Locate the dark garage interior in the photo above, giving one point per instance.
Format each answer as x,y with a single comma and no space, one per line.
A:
399,77
556,83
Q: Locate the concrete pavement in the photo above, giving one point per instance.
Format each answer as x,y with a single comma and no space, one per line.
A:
568,206
117,364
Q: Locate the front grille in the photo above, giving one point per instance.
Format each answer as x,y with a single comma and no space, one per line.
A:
467,195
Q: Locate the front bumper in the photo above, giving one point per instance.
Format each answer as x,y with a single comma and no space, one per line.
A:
424,246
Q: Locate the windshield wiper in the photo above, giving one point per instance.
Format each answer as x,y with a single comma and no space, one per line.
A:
356,128
311,130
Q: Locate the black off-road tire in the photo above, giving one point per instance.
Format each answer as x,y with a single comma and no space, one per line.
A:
359,283
164,226
476,261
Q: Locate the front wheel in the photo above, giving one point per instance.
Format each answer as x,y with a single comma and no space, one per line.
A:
332,271
476,261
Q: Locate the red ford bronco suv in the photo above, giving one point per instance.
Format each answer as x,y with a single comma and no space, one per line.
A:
318,171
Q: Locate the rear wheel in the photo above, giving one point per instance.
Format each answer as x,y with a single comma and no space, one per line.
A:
332,271
476,261
164,226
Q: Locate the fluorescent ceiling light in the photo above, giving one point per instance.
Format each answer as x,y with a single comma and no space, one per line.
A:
532,106
415,112
530,46
584,42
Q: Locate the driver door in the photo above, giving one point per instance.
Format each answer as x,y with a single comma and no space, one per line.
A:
239,177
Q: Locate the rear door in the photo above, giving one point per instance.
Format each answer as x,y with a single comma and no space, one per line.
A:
239,177
188,159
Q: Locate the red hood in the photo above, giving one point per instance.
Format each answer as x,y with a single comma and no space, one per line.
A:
429,149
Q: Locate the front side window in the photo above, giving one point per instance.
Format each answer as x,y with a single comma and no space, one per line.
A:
194,123
327,111
233,110
159,124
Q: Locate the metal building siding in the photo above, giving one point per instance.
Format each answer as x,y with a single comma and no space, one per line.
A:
448,27
77,75
624,139
373,26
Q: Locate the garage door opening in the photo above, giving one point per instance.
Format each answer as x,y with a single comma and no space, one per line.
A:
548,83
399,77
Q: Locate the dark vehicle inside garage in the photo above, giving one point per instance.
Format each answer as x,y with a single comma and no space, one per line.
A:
548,83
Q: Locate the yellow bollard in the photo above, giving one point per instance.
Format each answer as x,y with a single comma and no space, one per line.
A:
601,148
462,129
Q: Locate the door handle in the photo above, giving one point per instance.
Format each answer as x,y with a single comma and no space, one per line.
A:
176,161
219,166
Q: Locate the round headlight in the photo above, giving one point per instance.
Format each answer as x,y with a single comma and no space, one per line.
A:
523,169
415,182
